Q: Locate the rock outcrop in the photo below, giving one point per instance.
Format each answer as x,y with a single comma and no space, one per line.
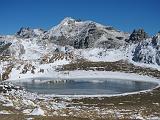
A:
137,36
148,51
4,45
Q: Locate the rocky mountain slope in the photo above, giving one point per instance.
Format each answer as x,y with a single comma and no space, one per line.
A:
147,49
37,50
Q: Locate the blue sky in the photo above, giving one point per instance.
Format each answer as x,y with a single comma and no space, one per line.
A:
124,15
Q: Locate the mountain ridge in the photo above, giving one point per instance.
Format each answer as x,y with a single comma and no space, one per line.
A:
75,39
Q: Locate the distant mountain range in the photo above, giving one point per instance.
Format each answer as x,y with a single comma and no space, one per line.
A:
75,39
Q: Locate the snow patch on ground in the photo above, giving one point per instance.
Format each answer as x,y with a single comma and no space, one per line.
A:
4,112
28,102
29,118
100,54
37,111
48,69
27,111
87,74
6,102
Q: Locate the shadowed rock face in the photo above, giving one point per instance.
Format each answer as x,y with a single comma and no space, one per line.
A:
148,51
29,33
158,57
137,36
10,49
25,33
87,37
144,53
4,46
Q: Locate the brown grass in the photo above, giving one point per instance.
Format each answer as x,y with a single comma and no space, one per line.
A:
122,66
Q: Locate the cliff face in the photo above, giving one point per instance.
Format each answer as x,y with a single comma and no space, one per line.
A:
148,50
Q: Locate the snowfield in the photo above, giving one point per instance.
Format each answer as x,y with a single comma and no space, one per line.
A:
50,72
37,111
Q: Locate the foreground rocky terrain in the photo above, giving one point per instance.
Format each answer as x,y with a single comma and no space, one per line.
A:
16,103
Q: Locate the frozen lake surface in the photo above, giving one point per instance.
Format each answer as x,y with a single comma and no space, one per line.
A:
89,86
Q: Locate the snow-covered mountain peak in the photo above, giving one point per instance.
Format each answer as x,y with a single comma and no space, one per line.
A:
67,21
29,32
85,34
66,26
